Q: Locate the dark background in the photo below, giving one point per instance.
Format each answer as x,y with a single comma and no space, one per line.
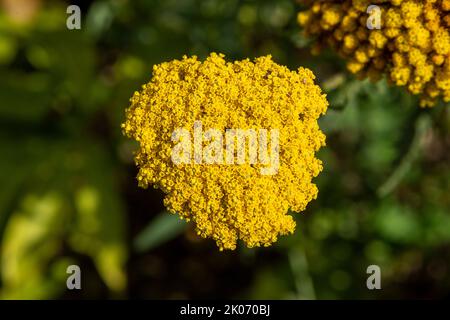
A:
68,193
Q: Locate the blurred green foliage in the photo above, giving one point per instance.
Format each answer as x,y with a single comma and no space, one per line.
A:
69,196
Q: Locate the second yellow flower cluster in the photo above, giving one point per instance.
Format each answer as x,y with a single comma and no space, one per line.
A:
412,45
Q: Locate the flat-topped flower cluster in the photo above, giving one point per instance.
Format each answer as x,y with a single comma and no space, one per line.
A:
226,201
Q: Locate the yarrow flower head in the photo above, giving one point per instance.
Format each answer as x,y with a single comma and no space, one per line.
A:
412,45
229,200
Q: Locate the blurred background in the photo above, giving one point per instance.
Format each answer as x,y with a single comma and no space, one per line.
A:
68,193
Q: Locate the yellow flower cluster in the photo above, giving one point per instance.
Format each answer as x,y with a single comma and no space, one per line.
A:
230,202
412,46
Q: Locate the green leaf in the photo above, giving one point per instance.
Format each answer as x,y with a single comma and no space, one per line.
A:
163,228
33,237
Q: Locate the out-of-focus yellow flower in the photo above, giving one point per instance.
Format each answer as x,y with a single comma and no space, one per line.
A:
412,47
229,202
